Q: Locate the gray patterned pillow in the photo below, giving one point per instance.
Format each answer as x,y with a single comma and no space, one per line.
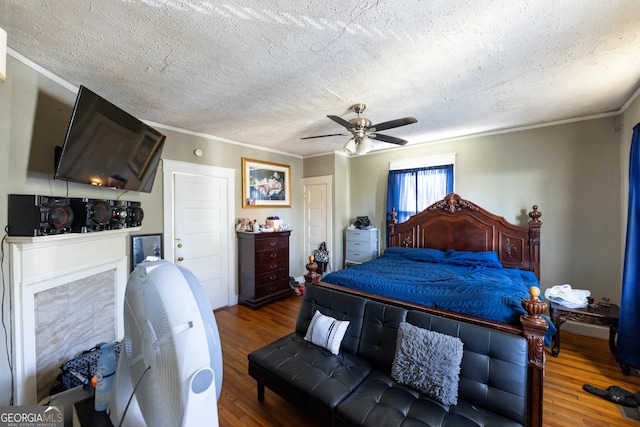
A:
429,362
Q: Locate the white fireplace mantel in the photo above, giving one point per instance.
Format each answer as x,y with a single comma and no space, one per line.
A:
46,262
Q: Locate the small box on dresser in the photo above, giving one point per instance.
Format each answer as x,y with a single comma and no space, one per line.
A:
361,245
263,267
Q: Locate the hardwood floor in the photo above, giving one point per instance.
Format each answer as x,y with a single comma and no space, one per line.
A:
582,360
243,330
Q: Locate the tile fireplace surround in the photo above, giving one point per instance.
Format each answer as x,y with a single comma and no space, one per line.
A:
67,295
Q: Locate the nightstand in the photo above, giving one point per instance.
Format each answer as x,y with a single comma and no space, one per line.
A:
598,315
361,245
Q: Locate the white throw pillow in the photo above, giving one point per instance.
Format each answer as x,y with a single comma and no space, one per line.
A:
326,332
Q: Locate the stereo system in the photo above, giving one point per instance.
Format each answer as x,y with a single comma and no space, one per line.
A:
33,216
135,214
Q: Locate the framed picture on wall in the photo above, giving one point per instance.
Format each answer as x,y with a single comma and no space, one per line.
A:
146,247
265,184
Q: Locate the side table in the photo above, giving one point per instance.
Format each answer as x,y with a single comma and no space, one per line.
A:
598,315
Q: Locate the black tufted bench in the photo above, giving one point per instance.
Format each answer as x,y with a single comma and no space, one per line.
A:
355,387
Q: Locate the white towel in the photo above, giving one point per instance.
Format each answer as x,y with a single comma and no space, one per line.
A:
567,297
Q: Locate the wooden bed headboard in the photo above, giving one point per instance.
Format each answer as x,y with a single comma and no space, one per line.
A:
456,223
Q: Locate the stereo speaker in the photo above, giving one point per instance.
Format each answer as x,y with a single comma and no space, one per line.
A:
31,215
118,215
91,215
135,214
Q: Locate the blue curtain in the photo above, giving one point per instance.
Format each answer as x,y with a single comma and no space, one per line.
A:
410,191
628,349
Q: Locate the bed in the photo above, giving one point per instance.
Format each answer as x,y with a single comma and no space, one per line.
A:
436,260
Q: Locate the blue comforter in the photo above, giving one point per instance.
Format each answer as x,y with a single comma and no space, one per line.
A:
473,283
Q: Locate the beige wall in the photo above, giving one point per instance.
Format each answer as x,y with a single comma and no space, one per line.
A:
339,167
34,113
570,171
38,114
576,173
180,146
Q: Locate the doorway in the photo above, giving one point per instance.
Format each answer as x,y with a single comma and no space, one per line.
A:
198,226
318,215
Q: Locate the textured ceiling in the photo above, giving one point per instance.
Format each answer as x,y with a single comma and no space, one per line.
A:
268,72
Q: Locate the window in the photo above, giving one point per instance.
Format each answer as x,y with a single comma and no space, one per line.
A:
411,190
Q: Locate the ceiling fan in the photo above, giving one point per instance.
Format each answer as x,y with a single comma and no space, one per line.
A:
363,131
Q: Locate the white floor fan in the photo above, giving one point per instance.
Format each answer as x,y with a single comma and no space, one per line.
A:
170,367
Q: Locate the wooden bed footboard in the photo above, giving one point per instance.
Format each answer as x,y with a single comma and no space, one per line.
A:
534,327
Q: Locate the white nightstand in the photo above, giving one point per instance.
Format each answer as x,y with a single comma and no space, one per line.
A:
361,245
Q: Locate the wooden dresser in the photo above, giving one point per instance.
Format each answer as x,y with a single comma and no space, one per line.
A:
263,267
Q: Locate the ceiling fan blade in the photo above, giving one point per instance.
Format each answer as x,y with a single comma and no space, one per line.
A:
387,138
322,136
392,124
342,121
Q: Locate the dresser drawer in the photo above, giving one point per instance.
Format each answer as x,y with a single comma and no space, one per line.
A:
271,288
268,277
272,243
360,256
361,246
272,260
355,235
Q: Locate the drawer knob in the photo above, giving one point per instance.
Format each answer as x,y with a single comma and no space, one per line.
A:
180,258
273,255
272,277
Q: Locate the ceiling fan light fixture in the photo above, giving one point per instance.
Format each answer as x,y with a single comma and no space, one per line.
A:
364,146
363,131
350,146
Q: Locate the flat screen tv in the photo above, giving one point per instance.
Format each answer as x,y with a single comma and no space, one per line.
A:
108,147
